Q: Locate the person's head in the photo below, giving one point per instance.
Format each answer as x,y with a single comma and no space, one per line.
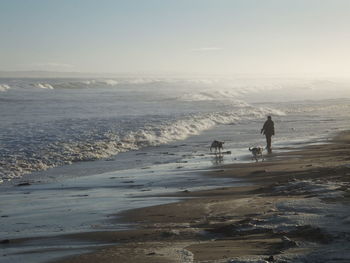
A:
269,117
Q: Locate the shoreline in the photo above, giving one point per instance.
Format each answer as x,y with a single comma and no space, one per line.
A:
277,219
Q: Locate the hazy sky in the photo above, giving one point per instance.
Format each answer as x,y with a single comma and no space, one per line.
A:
177,36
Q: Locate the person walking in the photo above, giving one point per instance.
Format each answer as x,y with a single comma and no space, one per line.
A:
268,130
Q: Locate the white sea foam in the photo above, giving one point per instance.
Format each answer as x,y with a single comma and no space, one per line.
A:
88,82
76,84
114,82
209,95
110,82
146,80
44,86
42,155
4,87
195,97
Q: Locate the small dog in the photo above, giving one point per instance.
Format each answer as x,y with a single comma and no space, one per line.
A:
257,152
217,145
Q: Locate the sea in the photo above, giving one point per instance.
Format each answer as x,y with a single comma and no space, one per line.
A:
75,152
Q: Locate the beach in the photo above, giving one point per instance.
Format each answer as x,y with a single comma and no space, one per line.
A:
134,175
296,209
174,131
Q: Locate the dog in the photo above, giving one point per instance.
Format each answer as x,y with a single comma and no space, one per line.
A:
257,152
217,145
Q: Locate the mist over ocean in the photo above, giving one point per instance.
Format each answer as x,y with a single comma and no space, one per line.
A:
48,123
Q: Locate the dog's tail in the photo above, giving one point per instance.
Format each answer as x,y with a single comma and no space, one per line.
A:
249,149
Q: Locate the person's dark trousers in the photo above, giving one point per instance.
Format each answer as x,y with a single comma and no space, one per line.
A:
268,143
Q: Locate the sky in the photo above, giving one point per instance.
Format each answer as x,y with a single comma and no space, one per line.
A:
272,37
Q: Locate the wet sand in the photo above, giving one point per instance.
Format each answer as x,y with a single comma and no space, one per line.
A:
297,207
294,207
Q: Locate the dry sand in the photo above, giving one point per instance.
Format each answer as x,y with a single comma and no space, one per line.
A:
296,209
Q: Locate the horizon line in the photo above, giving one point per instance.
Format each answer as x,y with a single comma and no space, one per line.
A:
60,74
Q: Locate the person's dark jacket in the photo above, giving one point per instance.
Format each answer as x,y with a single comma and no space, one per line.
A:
268,128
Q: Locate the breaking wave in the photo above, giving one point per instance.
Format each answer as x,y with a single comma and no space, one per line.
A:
209,96
88,140
4,87
110,82
59,84
89,83
43,86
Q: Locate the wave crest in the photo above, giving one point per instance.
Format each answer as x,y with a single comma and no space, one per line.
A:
4,87
44,86
209,95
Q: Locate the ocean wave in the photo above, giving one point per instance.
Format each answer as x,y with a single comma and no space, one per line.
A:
88,82
209,95
226,94
68,84
41,152
4,87
330,106
44,86
110,82
201,89
114,82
